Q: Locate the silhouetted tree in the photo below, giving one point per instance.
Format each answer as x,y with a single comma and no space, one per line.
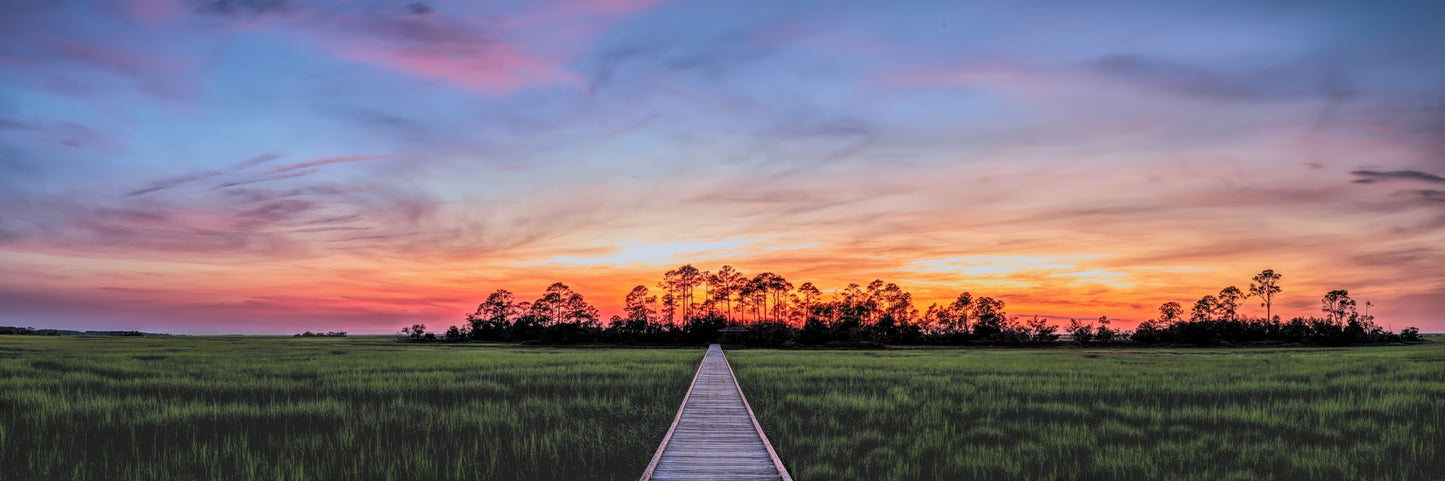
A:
494,316
1337,305
1265,286
559,304
932,322
688,278
1226,306
775,288
528,324
989,318
639,308
669,309
808,297
417,332
889,310
1104,333
638,304
672,297
1204,309
456,334
1150,331
1081,332
847,310
956,315
1041,331
725,284
681,283
751,299
1169,312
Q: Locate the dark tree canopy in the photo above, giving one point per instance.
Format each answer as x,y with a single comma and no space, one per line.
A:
694,306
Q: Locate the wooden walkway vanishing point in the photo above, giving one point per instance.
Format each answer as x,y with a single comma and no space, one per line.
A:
715,435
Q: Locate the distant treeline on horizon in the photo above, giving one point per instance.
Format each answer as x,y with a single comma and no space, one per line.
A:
31,331
696,307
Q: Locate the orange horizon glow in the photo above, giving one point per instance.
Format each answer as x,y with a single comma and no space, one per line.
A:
374,299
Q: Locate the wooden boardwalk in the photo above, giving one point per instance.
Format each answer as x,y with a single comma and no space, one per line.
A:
715,435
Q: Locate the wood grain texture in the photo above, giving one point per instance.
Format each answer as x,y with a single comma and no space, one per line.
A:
715,435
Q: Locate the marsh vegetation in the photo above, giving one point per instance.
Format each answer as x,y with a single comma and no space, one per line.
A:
339,409
1374,413
372,408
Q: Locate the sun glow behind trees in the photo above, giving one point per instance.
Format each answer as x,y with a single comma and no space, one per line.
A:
772,311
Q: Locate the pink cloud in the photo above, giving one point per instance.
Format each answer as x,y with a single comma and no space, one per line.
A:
487,53
502,68
45,59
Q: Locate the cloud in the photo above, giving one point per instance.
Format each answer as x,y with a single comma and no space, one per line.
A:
242,8
1174,76
462,55
67,61
263,178
154,11
1374,176
1280,80
491,52
172,182
1286,81
1432,195
283,172
327,161
65,136
255,161
188,178
232,219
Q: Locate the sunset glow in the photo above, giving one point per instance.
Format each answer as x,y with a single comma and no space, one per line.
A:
273,166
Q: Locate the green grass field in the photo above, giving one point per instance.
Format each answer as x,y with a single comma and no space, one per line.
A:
342,409
1374,413
358,408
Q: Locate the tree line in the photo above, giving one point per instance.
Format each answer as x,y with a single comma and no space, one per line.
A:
31,331
692,306
322,334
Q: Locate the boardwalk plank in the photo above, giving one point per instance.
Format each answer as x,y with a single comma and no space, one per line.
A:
715,436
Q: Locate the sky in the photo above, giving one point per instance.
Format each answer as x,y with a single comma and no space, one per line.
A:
273,166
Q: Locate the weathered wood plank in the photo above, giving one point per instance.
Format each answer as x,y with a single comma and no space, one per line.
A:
715,435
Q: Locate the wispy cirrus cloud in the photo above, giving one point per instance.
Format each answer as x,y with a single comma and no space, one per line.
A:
238,175
170,182
327,161
215,212
1284,79
1375,176
63,135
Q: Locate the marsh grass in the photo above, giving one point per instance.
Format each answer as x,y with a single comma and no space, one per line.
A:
351,408
1374,413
